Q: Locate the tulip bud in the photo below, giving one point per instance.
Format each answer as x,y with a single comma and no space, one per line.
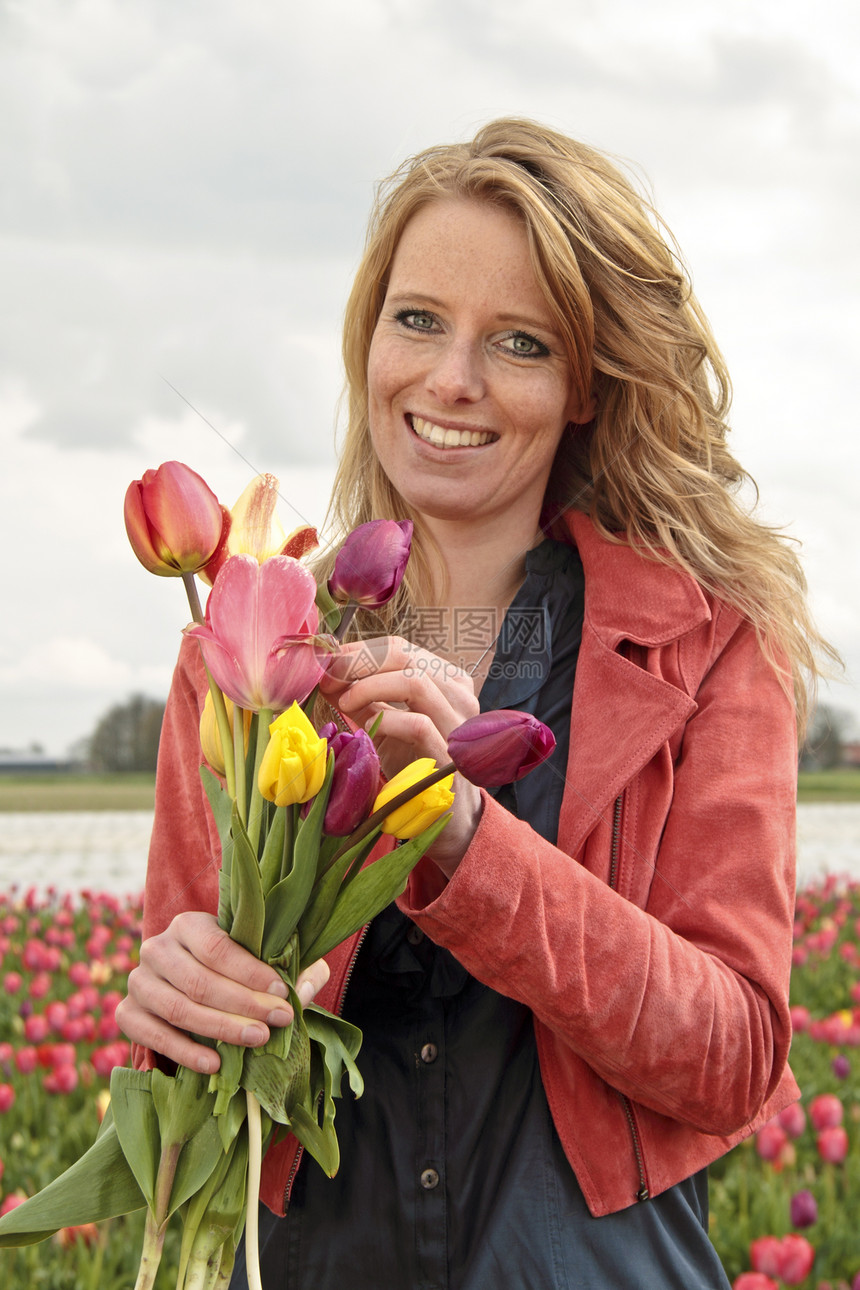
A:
354,782
832,1144
496,748
826,1111
414,816
370,565
293,766
210,735
173,520
803,1209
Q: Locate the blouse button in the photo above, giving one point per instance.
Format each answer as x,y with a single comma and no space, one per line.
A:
429,1053
415,935
429,1179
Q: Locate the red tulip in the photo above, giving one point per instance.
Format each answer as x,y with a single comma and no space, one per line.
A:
826,1111
259,638
832,1144
754,1281
499,747
796,1257
173,520
370,565
354,784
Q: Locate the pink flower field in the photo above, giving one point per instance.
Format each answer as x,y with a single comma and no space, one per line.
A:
784,1205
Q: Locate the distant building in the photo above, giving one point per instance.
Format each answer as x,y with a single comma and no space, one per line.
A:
31,761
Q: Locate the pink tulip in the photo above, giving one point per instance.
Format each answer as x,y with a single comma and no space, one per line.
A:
496,748
765,1255
796,1257
12,1202
793,1119
770,1140
259,640
7,1098
800,1018
370,565
826,1111
832,1144
26,1059
63,1079
173,520
754,1281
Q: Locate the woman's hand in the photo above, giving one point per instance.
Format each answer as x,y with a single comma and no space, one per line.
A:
194,978
421,698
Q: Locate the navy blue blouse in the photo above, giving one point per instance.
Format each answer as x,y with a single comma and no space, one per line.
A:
452,1175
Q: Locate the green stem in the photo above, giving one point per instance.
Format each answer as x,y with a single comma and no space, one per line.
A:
255,1159
150,1254
193,598
224,731
255,811
241,797
289,836
393,805
345,620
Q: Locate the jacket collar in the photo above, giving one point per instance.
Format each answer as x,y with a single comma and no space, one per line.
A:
629,597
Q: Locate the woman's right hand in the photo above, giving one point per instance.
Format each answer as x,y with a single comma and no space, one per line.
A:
194,978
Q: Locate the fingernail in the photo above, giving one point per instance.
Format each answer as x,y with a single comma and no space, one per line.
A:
279,988
305,992
207,1065
252,1035
279,1017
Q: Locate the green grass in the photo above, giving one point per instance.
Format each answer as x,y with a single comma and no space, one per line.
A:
829,785
77,792
137,792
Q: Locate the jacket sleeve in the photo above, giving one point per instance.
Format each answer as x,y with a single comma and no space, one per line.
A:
184,851
682,1004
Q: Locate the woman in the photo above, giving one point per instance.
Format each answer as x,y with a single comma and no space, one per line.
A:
582,997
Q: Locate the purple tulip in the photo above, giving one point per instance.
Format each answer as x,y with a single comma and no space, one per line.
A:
804,1209
355,782
259,639
499,747
841,1066
370,565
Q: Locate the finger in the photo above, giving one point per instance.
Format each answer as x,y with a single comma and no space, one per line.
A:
199,935
174,983
311,981
152,1032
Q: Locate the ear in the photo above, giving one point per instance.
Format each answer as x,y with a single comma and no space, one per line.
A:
580,411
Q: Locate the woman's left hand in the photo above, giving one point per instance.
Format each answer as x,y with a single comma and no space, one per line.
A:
420,698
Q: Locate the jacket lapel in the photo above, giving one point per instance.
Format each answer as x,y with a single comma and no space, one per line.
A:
621,712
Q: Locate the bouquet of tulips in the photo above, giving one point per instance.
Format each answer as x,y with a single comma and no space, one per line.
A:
298,812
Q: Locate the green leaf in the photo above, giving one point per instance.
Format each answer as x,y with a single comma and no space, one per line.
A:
320,1141
340,1043
137,1126
225,1081
222,812
286,902
277,1072
270,861
246,891
99,1185
327,889
370,891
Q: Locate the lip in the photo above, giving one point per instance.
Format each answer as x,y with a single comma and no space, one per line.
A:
446,424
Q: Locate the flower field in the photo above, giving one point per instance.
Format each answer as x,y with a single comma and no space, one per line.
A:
783,1206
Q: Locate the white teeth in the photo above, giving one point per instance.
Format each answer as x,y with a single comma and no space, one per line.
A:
440,438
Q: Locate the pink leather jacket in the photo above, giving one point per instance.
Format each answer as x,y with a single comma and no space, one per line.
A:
653,944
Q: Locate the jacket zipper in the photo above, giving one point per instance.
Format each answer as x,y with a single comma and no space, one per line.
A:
644,1192
337,1011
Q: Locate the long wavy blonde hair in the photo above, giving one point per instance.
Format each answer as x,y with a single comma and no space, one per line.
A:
653,467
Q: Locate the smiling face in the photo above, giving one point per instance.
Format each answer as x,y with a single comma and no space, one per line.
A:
469,386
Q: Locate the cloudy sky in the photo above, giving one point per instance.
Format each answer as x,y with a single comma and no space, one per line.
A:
183,197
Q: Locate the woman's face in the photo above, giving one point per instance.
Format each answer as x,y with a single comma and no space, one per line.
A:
469,385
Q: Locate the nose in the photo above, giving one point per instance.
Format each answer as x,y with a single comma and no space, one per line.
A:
457,373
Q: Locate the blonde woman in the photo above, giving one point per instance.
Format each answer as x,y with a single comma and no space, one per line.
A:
581,999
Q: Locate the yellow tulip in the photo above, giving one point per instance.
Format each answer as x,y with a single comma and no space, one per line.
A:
293,765
210,735
420,811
